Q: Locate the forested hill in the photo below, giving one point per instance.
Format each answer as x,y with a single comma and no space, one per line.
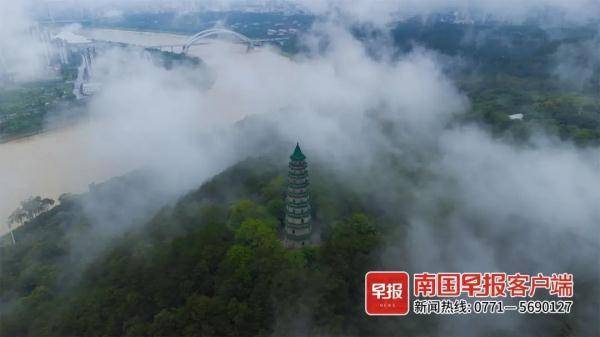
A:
212,264
549,75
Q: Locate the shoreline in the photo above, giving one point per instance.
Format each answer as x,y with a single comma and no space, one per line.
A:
72,122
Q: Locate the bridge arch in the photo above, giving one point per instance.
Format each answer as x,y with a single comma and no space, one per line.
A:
215,32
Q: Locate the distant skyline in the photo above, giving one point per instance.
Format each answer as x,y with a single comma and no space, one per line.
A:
377,12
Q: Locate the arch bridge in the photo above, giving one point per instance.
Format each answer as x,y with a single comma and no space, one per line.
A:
215,32
197,39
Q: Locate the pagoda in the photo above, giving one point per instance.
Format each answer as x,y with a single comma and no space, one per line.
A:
298,228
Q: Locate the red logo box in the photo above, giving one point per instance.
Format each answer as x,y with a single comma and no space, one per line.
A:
387,293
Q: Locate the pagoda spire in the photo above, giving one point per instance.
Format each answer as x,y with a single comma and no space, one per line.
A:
298,227
297,155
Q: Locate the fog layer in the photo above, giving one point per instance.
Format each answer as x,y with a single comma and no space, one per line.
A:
487,205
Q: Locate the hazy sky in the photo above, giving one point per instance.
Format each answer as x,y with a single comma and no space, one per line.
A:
21,54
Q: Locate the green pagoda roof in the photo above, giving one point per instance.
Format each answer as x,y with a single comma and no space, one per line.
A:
297,155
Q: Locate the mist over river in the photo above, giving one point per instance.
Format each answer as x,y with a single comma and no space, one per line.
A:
59,161
50,164
153,39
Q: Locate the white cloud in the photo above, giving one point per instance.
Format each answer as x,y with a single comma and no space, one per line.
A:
22,54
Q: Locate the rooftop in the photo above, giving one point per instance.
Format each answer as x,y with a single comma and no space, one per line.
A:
297,155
